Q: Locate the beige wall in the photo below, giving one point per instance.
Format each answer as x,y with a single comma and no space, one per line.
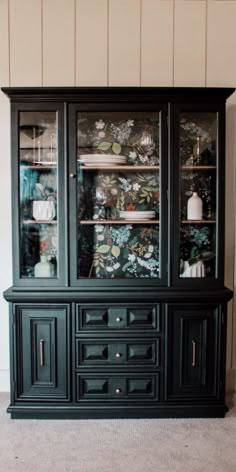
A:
114,42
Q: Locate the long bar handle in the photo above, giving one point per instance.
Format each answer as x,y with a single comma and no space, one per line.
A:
193,353
41,352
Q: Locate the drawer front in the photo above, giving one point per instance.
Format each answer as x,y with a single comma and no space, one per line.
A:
106,352
97,317
117,387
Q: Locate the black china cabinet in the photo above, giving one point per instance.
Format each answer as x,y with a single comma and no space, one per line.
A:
118,307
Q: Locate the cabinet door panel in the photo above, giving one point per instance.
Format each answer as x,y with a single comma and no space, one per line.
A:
192,360
43,351
119,193
38,197
42,355
197,194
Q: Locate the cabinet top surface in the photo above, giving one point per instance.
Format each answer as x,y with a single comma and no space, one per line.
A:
125,93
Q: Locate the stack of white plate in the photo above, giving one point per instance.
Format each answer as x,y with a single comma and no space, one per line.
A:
102,160
137,215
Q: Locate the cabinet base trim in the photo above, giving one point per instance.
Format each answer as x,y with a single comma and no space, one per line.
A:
185,411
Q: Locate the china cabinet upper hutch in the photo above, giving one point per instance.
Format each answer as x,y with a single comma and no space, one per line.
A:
118,306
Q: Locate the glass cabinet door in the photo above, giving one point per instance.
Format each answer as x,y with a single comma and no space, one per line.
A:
118,195
198,171
38,179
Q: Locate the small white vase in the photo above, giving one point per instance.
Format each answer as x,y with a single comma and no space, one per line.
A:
195,270
43,268
194,207
44,210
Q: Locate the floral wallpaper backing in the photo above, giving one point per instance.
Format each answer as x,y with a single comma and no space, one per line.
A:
113,251
198,147
134,135
119,251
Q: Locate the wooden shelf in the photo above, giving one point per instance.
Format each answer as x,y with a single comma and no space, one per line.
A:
39,222
46,148
39,167
121,167
201,222
118,222
198,167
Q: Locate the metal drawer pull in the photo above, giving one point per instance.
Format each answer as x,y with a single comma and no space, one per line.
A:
118,354
118,390
41,352
194,353
118,319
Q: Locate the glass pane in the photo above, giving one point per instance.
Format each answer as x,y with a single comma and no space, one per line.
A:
118,195
38,193
198,174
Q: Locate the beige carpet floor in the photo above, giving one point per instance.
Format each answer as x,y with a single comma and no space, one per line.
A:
193,445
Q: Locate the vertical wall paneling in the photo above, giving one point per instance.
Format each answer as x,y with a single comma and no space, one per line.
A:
4,43
221,43
230,212
124,42
5,200
91,42
157,43
25,43
189,43
58,42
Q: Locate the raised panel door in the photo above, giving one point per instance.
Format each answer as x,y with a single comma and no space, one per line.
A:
42,353
192,357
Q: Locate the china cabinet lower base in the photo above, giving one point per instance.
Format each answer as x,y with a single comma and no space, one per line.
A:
118,355
72,412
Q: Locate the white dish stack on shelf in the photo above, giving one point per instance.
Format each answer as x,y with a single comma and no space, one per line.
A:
137,215
102,160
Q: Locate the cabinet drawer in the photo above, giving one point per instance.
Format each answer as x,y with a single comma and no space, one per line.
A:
106,352
98,317
117,387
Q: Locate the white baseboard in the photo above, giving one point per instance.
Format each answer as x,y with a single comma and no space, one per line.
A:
4,380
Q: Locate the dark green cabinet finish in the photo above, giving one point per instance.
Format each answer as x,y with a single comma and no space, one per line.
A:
105,352
193,350
115,317
42,349
116,388
118,307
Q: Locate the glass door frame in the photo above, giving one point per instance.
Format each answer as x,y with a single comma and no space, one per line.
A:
16,109
174,164
115,105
